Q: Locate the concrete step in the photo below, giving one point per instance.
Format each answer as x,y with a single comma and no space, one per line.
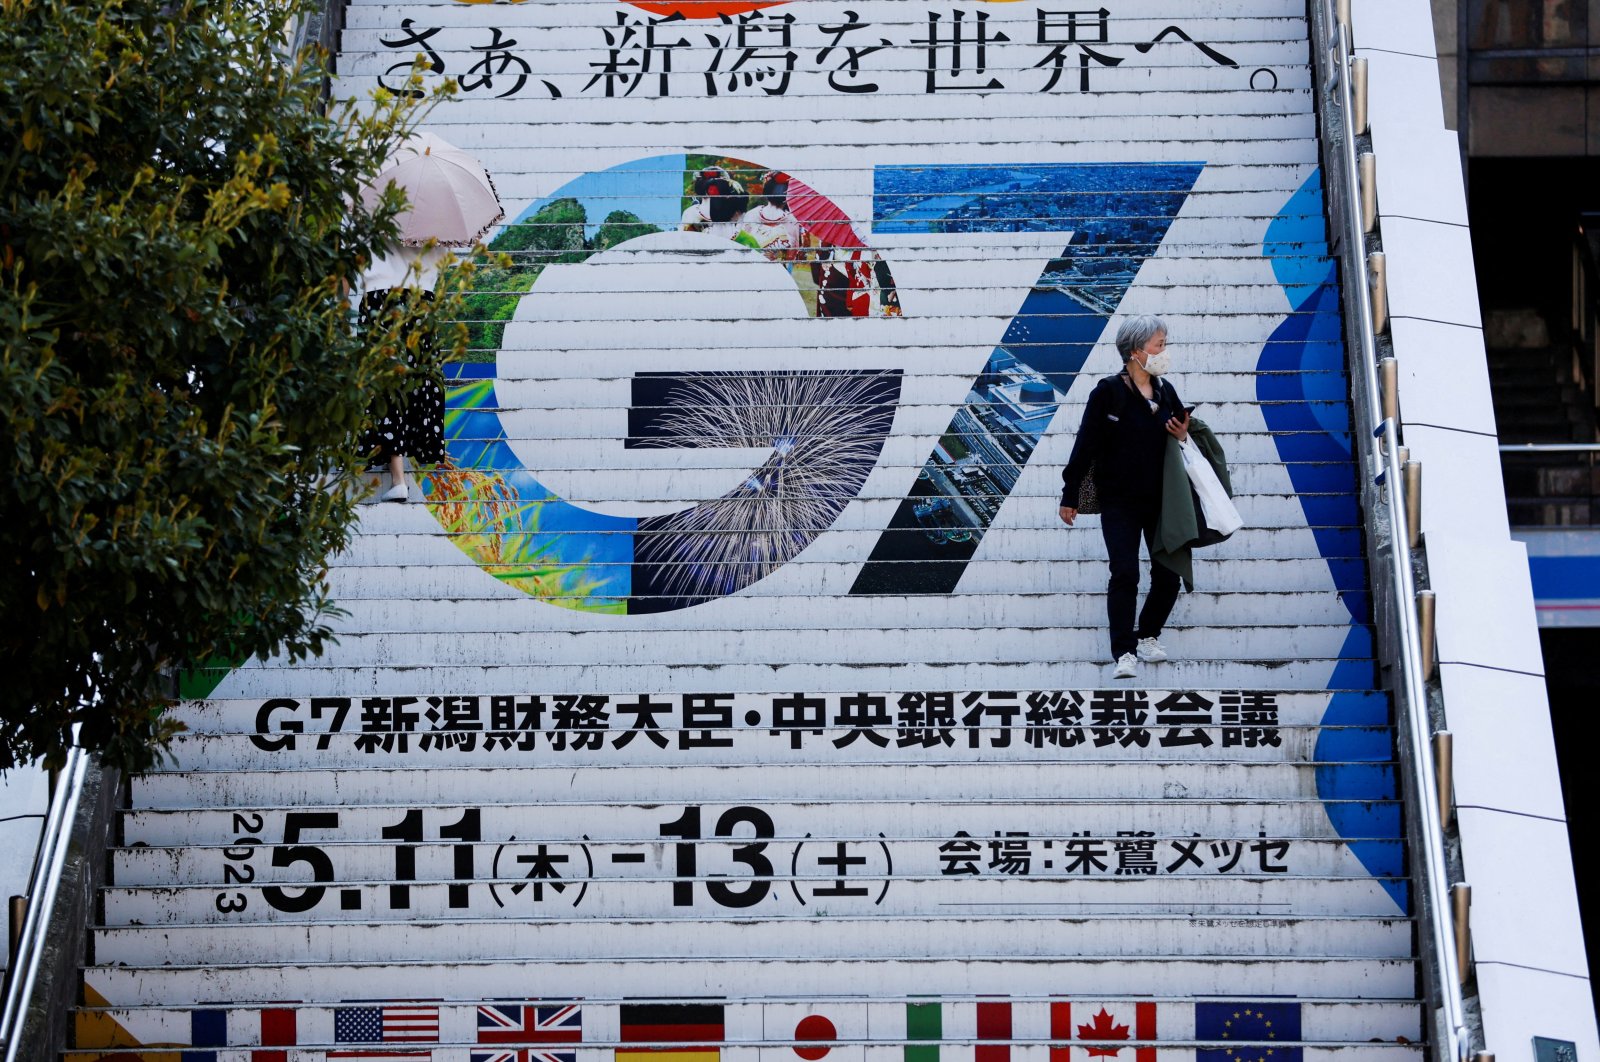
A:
628,298
714,476
930,341
1231,26
378,739
1256,446
872,936
507,159
634,265
1195,240
1131,781
171,883
1033,501
329,679
1322,1024
597,421
833,578
643,475
148,832
962,1051
546,169
1332,977
1207,373
1287,710
1247,13
1052,542
848,647
470,907
1232,363
486,607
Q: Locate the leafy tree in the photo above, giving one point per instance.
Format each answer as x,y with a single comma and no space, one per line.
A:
619,227
182,388
552,235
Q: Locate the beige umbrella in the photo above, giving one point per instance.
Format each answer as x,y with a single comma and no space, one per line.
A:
452,199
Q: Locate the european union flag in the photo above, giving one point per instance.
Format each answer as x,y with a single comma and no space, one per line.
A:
1258,1027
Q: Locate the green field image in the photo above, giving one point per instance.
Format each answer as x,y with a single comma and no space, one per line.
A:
556,234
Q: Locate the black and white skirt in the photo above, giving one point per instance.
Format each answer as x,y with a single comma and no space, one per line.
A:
414,428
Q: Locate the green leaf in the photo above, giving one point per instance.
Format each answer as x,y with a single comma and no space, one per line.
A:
181,374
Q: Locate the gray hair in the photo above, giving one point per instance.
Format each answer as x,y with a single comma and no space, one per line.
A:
1135,332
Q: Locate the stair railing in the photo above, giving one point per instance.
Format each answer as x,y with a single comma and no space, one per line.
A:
1393,522
321,27
1551,503
1586,303
43,887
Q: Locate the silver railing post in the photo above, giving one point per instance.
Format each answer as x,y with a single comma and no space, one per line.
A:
1344,92
43,887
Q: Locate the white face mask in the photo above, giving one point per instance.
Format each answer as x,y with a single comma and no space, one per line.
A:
1157,364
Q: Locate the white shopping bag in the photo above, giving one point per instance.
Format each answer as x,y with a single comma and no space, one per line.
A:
1221,514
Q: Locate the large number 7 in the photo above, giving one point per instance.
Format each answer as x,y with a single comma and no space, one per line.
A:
1113,217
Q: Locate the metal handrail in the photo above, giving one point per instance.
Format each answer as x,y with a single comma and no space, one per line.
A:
1549,448
1437,931
1585,320
43,887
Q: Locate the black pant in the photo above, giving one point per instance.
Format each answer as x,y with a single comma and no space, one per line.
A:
1122,524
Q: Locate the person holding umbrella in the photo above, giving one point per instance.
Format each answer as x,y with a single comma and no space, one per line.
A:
452,202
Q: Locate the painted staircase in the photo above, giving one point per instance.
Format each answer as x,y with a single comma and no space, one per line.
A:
734,689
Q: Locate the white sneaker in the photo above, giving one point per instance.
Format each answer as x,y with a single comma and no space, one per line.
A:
1127,666
1151,651
396,493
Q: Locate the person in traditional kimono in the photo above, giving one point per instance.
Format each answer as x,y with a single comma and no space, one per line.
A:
775,230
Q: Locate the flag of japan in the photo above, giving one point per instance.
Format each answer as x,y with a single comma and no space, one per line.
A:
821,1032
1102,1031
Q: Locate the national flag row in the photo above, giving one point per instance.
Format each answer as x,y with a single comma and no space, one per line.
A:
997,1030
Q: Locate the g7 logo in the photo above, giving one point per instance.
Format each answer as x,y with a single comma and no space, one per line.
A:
601,533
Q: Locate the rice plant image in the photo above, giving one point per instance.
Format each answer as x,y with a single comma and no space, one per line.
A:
487,519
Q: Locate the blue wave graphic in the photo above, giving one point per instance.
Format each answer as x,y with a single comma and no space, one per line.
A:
1303,389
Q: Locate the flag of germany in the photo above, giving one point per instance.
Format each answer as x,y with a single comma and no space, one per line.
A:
671,1032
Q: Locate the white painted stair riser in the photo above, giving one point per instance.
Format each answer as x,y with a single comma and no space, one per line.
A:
148,832
1247,977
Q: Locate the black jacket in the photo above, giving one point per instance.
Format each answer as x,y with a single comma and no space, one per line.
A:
1124,441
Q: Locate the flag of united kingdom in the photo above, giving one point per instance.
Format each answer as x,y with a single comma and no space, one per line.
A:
529,1031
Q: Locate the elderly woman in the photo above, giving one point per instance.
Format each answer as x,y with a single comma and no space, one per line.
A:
1123,439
